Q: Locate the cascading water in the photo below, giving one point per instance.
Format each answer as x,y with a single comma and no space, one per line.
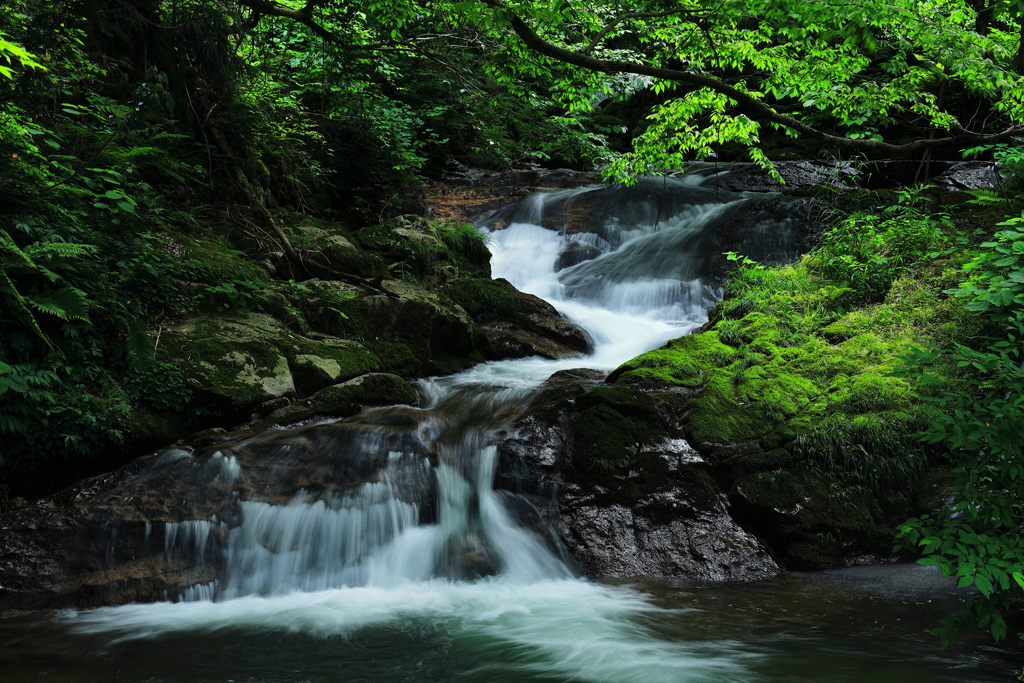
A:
392,548
640,288
424,529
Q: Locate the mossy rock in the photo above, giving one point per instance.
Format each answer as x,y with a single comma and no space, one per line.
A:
486,300
348,398
237,362
413,330
403,238
611,427
331,245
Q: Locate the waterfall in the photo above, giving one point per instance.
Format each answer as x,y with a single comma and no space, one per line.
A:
391,556
627,264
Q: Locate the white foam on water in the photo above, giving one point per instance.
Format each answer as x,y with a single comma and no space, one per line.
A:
577,629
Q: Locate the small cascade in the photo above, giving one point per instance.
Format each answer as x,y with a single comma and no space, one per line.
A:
402,494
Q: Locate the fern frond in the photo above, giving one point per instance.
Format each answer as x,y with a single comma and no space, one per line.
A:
67,303
20,310
8,244
60,250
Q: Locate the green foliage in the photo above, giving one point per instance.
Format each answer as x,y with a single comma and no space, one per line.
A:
54,412
12,53
467,242
978,537
865,253
160,385
237,295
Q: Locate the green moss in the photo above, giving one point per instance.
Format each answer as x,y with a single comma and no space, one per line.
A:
606,441
396,358
792,398
234,362
686,361
484,300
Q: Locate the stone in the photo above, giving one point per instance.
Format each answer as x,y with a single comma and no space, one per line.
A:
239,361
659,514
347,399
697,545
314,372
578,375
511,341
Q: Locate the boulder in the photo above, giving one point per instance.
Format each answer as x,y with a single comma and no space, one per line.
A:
156,528
237,362
611,470
348,398
518,324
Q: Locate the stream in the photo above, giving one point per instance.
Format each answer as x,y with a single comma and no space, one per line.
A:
429,574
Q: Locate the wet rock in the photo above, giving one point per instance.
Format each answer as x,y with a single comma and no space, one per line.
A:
699,545
578,375
347,399
158,526
612,471
574,254
409,329
968,175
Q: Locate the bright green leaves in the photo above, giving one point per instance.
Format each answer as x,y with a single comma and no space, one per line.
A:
12,54
996,283
980,412
694,125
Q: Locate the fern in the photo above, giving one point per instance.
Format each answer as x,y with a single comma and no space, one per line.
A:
67,303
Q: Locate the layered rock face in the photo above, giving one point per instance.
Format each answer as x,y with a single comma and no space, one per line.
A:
159,526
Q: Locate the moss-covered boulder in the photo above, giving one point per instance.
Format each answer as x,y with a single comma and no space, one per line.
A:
517,324
793,400
430,253
236,362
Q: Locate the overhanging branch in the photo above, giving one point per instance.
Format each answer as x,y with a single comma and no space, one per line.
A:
748,104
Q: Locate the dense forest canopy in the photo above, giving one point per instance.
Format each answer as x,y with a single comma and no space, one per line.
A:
131,127
874,77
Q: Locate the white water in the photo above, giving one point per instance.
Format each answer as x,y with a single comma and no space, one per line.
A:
332,566
615,299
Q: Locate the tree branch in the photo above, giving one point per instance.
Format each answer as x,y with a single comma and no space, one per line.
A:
748,104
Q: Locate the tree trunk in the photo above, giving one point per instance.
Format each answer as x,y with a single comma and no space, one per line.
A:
984,10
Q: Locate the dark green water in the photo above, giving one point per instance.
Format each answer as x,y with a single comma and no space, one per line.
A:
866,624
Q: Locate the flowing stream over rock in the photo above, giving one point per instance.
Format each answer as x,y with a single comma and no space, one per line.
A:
418,570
